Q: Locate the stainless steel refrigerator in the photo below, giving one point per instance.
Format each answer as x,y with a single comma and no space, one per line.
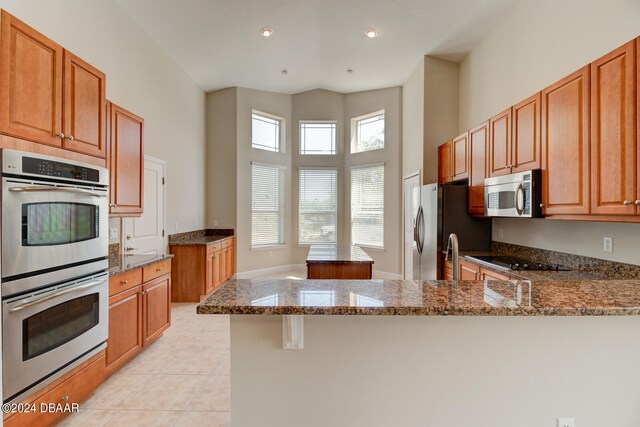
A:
443,210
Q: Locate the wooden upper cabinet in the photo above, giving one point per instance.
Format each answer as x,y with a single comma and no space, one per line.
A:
500,144
613,132
638,127
30,83
445,162
84,104
478,147
459,151
525,141
565,145
126,161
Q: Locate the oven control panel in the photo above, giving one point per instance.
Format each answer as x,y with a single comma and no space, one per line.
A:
56,169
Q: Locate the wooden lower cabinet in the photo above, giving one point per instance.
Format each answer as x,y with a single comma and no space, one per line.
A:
469,271
139,314
73,387
491,275
200,269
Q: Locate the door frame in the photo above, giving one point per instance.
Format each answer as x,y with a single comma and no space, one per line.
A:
409,175
165,239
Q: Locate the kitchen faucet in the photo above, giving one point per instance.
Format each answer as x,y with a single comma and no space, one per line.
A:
452,248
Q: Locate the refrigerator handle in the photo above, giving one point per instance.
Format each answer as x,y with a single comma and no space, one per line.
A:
419,227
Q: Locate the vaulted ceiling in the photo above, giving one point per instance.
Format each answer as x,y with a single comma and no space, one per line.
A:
218,42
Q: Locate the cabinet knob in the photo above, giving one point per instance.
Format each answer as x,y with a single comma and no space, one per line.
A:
113,205
638,202
542,205
70,137
65,398
60,135
158,270
627,202
124,282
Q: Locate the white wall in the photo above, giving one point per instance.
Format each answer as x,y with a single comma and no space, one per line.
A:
536,43
141,77
456,371
413,120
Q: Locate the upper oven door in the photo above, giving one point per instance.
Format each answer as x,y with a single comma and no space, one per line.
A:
49,226
506,200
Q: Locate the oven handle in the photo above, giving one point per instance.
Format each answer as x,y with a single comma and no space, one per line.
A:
30,302
37,188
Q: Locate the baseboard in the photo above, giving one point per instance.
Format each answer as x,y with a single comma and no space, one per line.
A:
256,274
384,275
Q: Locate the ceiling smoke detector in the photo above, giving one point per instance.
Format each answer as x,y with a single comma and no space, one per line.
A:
266,32
371,33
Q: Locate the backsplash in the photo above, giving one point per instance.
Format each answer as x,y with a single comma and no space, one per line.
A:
114,249
575,262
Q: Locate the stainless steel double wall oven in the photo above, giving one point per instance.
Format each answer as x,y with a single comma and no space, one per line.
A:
54,261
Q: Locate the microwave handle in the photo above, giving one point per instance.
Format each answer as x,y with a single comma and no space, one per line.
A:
33,301
518,190
38,188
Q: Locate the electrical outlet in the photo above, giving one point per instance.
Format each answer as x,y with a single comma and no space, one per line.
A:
113,233
565,422
608,244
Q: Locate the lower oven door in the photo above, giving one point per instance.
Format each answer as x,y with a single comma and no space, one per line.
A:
44,332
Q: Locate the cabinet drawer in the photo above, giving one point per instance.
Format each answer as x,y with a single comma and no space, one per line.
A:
125,281
213,247
158,269
226,243
492,275
75,389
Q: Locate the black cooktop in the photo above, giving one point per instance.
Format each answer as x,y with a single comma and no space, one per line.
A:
515,263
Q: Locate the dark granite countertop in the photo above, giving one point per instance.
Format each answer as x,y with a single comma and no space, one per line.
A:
200,237
430,298
119,264
337,254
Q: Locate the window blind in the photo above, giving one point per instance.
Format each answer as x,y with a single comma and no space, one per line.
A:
367,206
267,205
317,206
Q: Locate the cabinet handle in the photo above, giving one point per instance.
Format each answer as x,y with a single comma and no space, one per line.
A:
638,202
65,398
124,282
142,292
542,205
113,205
60,135
627,202
70,137
158,270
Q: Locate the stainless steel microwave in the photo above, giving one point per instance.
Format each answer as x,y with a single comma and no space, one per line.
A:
515,195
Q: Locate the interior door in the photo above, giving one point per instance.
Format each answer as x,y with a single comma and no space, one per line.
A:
145,234
411,204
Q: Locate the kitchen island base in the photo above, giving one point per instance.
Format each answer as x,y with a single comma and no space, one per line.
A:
437,371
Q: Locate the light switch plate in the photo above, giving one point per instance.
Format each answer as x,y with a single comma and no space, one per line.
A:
113,233
566,422
608,244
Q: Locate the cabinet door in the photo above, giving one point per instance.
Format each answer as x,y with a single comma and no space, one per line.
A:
565,145
500,144
492,275
209,277
445,162
157,308
30,83
459,149
468,271
613,132
127,162
125,327
217,279
231,256
84,103
478,138
525,142
222,264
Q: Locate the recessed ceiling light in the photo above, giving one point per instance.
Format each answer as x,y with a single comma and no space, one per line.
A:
349,70
371,33
285,72
266,32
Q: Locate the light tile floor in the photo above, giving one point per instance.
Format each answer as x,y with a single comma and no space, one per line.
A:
180,380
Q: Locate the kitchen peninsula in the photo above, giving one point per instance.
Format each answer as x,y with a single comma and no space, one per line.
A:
520,349
338,262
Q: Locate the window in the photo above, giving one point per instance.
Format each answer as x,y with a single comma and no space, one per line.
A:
368,132
317,206
267,205
317,138
265,132
367,206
